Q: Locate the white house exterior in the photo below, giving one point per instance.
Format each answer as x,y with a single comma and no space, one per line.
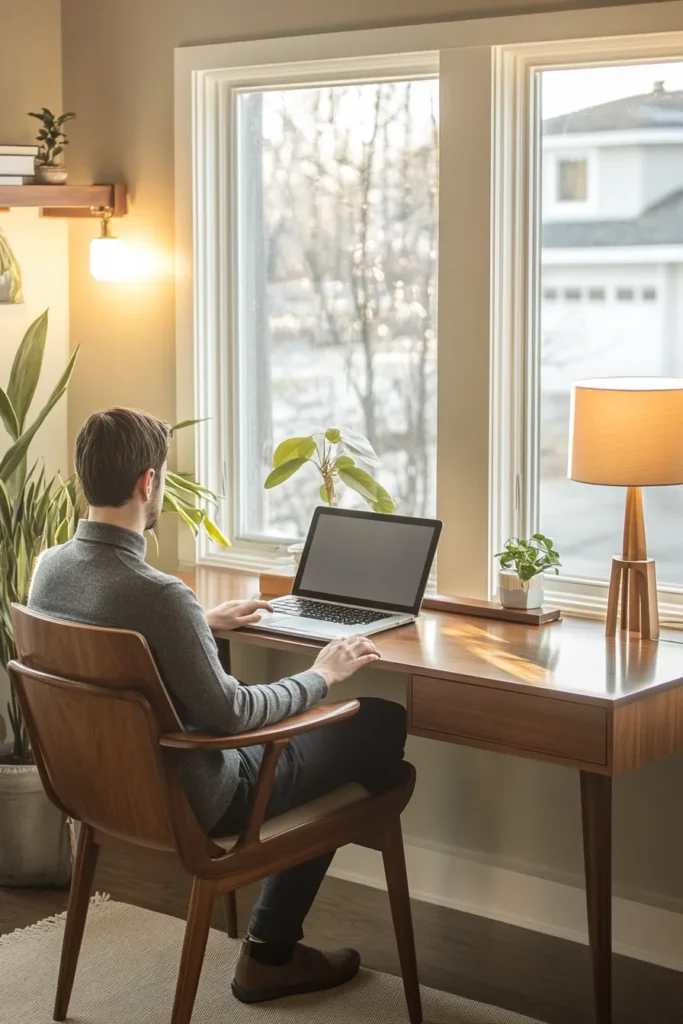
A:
612,240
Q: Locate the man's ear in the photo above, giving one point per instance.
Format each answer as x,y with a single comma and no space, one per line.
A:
146,484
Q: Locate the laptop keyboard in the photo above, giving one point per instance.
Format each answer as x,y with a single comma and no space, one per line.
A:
311,609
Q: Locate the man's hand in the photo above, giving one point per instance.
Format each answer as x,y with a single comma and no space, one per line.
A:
233,614
342,658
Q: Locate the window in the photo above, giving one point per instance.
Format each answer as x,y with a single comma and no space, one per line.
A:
572,181
586,521
310,240
336,265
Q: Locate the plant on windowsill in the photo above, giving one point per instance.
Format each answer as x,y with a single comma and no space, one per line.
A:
36,513
333,452
522,565
51,141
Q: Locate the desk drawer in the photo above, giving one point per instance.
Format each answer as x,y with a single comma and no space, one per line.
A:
503,719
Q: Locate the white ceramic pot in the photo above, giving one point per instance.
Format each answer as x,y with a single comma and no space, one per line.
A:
514,593
48,174
35,847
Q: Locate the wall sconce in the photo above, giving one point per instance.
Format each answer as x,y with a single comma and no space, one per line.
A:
107,253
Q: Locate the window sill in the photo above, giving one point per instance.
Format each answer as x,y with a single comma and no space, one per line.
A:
589,600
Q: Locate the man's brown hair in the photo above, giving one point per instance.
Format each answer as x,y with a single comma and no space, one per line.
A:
114,448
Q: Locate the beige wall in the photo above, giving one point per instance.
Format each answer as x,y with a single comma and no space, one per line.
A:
31,77
118,75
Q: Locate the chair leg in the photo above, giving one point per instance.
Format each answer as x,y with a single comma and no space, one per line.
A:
230,908
79,898
399,899
194,946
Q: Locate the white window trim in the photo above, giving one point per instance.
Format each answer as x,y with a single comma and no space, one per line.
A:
515,469
486,484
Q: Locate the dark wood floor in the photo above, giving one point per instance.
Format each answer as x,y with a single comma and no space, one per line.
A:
543,977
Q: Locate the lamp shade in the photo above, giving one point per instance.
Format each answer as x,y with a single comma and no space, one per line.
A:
627,431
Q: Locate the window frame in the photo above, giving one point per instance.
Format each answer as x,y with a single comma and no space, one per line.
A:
487,488
518,470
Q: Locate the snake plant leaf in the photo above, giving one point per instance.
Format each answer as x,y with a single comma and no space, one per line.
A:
283,472
187,423
16,453
172,505
214,533
25,372
181,485
8,416
6,525
292,449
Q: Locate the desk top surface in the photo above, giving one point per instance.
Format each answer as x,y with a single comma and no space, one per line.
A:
571,659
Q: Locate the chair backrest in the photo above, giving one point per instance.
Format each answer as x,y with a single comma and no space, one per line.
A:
95,706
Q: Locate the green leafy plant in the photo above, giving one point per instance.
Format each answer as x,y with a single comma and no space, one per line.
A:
333,452
37,512
10,265
529,557
51,139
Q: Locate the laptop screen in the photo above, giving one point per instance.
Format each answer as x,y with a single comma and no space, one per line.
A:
362,558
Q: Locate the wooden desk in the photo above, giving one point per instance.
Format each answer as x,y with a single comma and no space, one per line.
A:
561,693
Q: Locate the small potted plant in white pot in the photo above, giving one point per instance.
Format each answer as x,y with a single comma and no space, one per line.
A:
522,565
333,452
51,142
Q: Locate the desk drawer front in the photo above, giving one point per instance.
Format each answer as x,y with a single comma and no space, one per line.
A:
505,719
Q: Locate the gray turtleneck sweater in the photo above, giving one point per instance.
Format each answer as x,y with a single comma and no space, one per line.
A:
100,578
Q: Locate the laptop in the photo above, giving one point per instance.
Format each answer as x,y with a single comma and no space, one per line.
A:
360,573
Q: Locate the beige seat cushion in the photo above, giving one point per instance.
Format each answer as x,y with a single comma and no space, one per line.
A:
334,801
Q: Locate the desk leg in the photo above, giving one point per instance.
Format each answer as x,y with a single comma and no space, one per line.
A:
596,804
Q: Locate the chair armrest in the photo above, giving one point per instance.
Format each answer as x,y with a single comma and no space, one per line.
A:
325,714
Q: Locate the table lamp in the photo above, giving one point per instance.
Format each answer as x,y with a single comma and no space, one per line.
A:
628,432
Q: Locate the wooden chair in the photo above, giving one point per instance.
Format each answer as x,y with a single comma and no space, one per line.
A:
108,745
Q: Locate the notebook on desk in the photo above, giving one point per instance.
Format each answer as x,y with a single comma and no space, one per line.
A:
360,573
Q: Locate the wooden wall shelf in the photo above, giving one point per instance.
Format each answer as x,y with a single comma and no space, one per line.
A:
66,200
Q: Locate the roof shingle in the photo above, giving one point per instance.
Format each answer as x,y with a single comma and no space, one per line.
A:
656,109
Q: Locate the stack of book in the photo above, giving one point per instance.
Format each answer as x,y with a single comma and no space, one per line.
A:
17,164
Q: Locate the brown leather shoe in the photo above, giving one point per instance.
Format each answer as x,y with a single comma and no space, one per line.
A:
309,970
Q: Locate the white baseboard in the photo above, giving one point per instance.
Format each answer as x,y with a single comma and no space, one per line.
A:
449,879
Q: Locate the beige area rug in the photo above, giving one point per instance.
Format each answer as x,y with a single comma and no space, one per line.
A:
127,974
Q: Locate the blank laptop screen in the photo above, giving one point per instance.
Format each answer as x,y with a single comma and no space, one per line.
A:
369,560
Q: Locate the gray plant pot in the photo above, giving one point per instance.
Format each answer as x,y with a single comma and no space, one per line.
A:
35,849
51,174
513,593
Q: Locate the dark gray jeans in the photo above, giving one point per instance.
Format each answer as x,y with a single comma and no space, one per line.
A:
367,748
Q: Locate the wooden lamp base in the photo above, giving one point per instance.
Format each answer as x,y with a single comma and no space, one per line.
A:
633,578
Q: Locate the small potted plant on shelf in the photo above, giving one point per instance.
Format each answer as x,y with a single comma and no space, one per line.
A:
522,564
51,142
37,512
333,452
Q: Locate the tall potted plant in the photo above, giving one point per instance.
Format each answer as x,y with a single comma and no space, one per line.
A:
37,512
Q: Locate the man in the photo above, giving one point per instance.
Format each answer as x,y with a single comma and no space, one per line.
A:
101,578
